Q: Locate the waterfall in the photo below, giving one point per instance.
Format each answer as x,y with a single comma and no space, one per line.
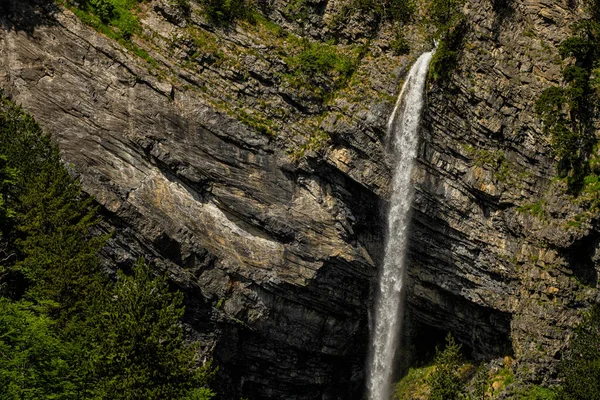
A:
403,129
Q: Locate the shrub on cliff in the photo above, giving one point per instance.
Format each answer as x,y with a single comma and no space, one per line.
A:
224,12
537,393
449,22
580,367
400,11
321,68
446,382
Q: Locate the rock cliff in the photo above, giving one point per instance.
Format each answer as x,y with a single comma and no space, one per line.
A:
265,202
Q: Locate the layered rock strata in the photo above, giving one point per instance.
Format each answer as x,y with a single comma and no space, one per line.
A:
266,203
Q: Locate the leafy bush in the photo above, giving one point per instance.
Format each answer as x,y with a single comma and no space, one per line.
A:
183,5
580,367
115,18
443,62
225,12
321,59
387,10
298,10
397,11
104,9
564,137
537,393
399,44
319,63
36,363
449,22
414,384
445,381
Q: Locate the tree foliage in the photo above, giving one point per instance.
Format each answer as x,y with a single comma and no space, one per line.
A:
66,330
580,367
225,12
139,347
7,180
449,22
116,18
50,234
399,11
445,381
35,362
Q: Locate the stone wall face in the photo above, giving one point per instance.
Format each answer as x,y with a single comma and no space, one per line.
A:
276,243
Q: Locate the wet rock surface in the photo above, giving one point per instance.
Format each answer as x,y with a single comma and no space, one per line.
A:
203,160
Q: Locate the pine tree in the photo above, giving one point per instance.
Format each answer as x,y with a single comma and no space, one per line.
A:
580,368
445,382
70,333
51,227
7,180
7,176
59,253
139,343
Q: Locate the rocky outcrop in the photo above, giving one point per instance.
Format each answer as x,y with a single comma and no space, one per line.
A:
485,266
265,202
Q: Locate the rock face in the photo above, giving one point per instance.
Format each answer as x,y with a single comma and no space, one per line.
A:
265,203
484,267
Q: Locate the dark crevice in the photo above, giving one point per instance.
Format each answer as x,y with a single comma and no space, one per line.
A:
580,256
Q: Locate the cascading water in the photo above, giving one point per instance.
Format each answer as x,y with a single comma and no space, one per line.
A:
403,131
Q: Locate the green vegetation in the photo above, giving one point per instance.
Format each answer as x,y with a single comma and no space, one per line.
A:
580,367
450,26
225,12
115,18
445,381
568,111
537,209
298,10
318,64
537,393
399,11
66,330
257,121
35,361
138,342
494,160
315,142
481,383
321,59
503,378
7,179
452,377
399,44
414,385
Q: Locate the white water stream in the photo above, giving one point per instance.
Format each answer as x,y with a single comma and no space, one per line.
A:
403,128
